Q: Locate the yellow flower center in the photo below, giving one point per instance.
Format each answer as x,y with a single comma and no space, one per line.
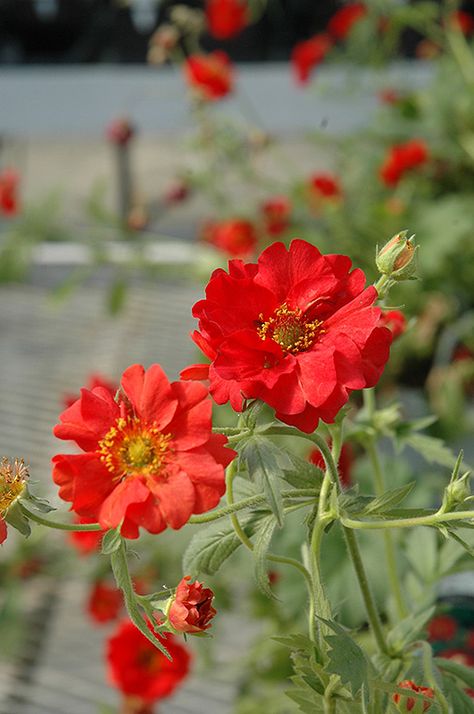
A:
133,448
289,329
13,478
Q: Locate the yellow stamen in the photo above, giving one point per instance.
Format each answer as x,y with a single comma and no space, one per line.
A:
289,329
13,477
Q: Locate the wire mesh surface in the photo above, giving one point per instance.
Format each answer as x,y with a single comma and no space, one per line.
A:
45,351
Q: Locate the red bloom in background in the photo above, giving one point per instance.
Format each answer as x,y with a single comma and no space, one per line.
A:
395,321
462,21
407,704
323,188
341,23
9,201
389,96
120,131
139,669
276,215
306,55
211,75
442,627
105,602
346,460
191,610
226,18
402,158
94,380
235,236
150,460
85,542
297,329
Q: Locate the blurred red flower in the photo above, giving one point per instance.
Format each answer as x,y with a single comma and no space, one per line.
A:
120,131
402,158
235,236
3,530
210,75
297,329
85,542
463,21
395,321
458,655
324,186
341,23
226,18
150,460
442,627
346,460
105,602
407,704
139,669
306,55
276,215
191,610
94,380
9,200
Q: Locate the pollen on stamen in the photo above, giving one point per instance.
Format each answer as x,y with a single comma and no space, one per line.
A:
289,329
13,478
133,448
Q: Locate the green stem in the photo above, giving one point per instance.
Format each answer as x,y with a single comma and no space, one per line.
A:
77,527
432,520
430,676
248,503
383,285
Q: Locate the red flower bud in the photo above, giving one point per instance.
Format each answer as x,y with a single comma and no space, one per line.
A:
210,75
191,609
226,18
407,704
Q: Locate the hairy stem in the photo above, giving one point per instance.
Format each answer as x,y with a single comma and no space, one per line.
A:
32,516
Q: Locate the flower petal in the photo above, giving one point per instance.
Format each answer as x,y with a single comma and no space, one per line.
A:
114,508
150,394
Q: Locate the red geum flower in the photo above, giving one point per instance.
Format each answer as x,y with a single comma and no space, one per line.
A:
442,627
235,236
306,55
226,18
94,380
321,189
139,669
105,602
463,21
150,460
85,542
346,460
297,329
395,321
458,655
210,75
191,609
341,23
276,215
9,201
407,704
402,158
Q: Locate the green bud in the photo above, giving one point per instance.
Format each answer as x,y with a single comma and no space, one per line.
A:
456,492
398,257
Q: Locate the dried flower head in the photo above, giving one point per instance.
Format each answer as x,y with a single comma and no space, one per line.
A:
13,477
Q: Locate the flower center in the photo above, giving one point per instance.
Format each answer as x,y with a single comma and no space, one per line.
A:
289,329
131,447
12,482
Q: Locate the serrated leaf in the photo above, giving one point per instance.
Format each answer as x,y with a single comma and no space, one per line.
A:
467,547
260,456
111,541
346,658
461,703
16,518
460,671
297,642
300,473
308,702
389,499
261,545
409,629
41,504
433,450
212,545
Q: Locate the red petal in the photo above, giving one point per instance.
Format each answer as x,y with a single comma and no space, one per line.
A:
89,419
147,515
280,270
113,510
176,498
150,394
83,480
192,423
3,530
199,372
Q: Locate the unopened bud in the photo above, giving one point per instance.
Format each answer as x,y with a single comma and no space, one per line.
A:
415,705
398,257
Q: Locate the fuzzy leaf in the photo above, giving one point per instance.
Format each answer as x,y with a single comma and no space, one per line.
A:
261,546
111,541
389,499
461,703
346,658
41,504
308,702
409,629
300,473
460,671
261,458
433,450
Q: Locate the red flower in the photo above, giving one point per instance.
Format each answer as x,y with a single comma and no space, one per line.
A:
3,530
138,668
178,191
442,627
94,380
395,321
346,459
341,23
150,460
85,542
9,202
306,55
458,655
407,704
235,236
402,158
105,602
389,95
297,330
276,215
462,21
470,692
120,131
211,75
226,18
323,187
191,610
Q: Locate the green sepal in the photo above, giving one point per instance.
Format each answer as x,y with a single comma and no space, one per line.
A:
17,519
111,541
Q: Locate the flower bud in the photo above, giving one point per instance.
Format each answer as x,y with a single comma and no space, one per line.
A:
397,257
410,704
456,492
191,608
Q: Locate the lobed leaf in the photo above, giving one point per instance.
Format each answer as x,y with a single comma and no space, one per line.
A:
261,458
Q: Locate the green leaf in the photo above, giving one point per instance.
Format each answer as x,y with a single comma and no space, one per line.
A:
116,296
433,450
390,498
212,545
261,546
460,671
300,473
460,702
297,642
260,456
468,548
16,518
409,629
309,702
41,504
111,541
346,658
